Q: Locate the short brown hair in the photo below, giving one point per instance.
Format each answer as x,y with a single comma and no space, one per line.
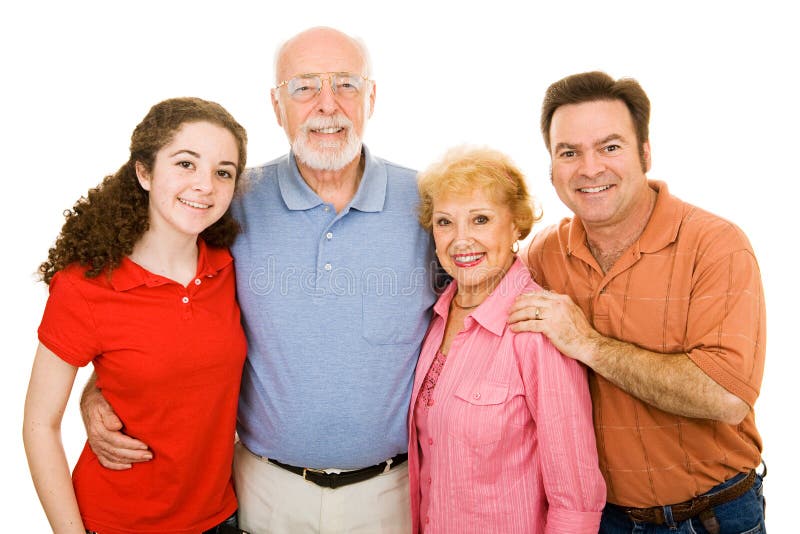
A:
464,169
102,227
593,86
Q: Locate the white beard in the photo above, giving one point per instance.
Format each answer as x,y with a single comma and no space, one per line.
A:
331,156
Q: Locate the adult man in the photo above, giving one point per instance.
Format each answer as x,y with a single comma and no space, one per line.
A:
663,301
333,282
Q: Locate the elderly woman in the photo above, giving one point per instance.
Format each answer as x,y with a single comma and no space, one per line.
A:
500,423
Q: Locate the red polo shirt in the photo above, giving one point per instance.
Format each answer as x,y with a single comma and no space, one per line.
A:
169,360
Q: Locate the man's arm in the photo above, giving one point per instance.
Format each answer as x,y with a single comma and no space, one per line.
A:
113,448
671,382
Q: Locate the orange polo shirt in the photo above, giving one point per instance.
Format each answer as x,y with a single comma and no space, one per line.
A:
690,284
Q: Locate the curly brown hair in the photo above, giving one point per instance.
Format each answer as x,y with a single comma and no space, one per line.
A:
103,227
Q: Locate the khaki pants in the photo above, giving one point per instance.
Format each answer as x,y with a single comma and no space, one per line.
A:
275,501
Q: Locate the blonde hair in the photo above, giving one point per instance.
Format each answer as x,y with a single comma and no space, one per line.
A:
464,169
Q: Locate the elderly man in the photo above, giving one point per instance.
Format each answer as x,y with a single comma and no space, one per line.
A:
333,277
663,301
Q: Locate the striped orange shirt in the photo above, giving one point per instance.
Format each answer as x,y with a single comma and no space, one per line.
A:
690,284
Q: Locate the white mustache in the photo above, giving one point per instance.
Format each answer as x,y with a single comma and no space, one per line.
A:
333,121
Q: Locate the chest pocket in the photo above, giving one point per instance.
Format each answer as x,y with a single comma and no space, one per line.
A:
478,410
393,319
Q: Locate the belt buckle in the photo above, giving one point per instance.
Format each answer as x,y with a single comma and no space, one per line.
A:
317,471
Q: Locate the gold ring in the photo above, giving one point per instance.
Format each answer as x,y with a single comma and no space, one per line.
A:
537,314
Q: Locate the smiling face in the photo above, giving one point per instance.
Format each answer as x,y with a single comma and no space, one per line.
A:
596,167
192,180
473,236
326,131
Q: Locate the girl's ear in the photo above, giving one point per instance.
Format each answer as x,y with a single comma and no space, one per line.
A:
143,175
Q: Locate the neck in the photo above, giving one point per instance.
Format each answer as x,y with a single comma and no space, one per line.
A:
334,187
170,256
454,302
608,242
467,298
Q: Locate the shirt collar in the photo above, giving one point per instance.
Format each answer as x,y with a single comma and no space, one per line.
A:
661,230
665,221
297,195
128,275
492,314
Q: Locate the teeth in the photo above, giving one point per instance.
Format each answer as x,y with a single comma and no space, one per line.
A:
594,189
468,259
194,204
328,130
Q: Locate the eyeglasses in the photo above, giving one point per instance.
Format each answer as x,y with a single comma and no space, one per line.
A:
305,87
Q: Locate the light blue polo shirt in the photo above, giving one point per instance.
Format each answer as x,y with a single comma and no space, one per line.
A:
334,307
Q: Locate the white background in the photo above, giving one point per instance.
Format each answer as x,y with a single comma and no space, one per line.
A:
78,76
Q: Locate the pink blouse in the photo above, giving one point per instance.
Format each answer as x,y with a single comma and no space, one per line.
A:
505,442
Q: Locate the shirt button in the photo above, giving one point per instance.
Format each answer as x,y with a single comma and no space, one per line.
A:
430,441
430,480
185,300
476,395
427,520
197,281
329,236
326,209
328,266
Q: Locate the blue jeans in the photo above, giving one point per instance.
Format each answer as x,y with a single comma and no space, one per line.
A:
229,525
744,515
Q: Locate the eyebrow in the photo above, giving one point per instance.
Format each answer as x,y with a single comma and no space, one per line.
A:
608,138
473,210
195,154
562,146
185,151
612,137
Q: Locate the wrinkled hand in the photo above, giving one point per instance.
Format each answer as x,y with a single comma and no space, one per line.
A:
113,448
560,319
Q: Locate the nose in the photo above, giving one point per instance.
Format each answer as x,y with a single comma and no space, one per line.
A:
592,164
326,98
203,180
463,236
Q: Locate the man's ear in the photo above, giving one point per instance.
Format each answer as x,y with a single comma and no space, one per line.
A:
372,93
276,106
646,161
143,175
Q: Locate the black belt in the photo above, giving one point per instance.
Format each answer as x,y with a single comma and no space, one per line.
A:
337,480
